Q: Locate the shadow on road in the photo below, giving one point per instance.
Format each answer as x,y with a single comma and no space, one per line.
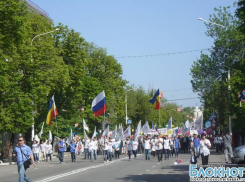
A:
156,178
176,173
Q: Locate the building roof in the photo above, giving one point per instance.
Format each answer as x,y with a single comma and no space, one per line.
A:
35,8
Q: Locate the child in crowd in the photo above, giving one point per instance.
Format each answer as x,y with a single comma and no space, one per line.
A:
193,158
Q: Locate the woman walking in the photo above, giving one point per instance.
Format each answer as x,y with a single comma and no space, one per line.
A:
36,150
49,151
204,149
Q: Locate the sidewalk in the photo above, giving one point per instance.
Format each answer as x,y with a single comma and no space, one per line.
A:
66,154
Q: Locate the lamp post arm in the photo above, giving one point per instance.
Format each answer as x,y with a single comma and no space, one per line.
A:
42,34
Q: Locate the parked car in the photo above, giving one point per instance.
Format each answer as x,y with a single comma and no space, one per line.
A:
239,154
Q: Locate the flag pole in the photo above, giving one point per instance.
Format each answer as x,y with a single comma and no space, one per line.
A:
159,118
104,110
56,126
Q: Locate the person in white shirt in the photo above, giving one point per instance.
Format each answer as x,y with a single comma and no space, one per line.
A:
36,150
117,146
129,147
204,149
48,150
104,144
154,147
43,150
91,149
110,150
95,147
135,145
86,151
159,148
147,143
166,143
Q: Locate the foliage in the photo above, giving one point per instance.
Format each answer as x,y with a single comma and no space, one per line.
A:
209,72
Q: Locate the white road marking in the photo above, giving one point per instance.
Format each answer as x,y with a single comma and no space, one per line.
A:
78,171
148,170
140,174
153,166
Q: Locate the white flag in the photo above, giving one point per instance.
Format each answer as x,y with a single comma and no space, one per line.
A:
106,132
85,136
70,137
170,123
119,133
198,123
137,131
85,127
50,138
187,124
41,132
94,135
127,133
146,128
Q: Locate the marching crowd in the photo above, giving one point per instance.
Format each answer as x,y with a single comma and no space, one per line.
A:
155,146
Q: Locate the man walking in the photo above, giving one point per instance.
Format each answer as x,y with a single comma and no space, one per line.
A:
22,153
95,147
196,146
166,143
73,146
61,150
159,149
43,151
228,146
147,143
86,151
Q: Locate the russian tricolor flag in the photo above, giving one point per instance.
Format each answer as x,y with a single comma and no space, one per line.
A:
99,104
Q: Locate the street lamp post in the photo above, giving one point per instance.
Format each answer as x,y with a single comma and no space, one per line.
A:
57,29
228,76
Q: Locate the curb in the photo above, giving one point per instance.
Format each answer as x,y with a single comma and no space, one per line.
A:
14,163
7,163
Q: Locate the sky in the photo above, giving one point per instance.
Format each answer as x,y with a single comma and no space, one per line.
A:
144,27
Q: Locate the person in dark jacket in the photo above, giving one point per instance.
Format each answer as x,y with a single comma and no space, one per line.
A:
193,158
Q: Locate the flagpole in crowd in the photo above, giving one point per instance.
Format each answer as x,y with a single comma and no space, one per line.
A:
159,119
56,126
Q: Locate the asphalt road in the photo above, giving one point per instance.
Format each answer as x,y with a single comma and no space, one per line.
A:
138,170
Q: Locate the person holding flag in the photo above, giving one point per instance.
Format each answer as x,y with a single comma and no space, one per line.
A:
117,146
73,146
135,145
61,150
110,150
129,147
48,150
91,149
147,143
105,148
95,148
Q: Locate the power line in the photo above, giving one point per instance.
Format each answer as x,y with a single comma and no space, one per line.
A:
176,90
163,54
184,99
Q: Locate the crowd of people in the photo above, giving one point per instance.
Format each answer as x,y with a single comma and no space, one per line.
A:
157,146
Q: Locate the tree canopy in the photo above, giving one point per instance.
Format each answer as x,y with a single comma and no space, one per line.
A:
65,65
